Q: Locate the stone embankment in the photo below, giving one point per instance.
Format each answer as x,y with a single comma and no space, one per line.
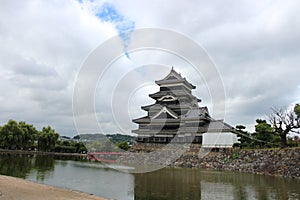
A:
279,162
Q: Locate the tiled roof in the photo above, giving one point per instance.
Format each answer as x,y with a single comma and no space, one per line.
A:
174,77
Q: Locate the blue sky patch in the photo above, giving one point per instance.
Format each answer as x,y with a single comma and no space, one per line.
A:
124,26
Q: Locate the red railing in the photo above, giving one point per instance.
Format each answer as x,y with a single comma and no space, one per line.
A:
96,156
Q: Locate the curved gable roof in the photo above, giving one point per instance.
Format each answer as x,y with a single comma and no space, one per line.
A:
165,110
174,77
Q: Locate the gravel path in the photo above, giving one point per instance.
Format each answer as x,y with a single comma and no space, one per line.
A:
18,189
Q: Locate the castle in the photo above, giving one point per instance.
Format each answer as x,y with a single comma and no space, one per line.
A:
176,115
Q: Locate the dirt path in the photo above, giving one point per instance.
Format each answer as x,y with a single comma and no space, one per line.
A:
18,189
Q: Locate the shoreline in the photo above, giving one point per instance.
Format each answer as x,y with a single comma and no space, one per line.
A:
12,188
41,153
275,162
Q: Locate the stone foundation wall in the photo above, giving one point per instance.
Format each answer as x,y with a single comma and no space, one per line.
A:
279,162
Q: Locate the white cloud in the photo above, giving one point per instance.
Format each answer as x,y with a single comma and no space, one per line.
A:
44,43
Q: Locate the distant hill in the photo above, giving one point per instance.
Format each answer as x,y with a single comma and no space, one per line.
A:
91,136
115,138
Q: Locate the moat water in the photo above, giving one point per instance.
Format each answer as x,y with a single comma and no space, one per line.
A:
168,183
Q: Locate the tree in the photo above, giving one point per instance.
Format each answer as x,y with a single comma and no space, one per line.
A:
17,135
80,147
284,121
76,137
11,135
30,134
47,139
297,110
245,137
264,134
123,145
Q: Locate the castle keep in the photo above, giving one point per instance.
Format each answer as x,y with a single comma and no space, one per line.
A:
176,115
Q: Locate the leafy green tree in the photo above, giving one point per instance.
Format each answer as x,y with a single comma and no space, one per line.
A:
116,138
17,135
297,111
30,134
47,139
264,134
80,147
123,145
245,137
11,135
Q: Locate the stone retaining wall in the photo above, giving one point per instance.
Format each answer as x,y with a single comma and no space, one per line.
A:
279,162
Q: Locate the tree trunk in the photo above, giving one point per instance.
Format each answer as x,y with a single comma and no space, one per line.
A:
283,140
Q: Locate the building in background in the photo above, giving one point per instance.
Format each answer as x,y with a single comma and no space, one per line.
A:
176,115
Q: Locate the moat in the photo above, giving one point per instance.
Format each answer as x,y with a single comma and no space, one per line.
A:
168,183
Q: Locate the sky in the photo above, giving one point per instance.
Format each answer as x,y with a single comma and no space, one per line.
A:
254,46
